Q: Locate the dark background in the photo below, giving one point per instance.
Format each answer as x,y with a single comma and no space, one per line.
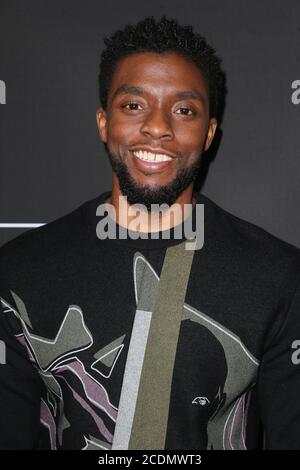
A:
52,159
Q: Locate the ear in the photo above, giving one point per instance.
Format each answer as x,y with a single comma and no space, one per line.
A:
210,133
101,119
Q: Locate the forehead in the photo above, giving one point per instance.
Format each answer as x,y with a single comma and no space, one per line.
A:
161,73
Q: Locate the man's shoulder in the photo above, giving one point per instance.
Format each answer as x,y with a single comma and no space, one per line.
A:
49,232
250,243
53,240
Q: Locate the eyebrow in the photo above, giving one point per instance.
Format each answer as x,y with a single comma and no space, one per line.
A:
135,90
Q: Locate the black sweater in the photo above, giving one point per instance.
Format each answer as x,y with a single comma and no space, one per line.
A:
69,302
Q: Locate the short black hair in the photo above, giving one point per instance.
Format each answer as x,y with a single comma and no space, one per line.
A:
164,35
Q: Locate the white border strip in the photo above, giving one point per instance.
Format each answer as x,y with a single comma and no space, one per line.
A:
20,225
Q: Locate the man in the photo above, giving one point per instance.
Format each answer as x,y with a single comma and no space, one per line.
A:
78,307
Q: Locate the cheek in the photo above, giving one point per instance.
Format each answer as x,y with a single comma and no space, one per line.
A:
122,132
190,137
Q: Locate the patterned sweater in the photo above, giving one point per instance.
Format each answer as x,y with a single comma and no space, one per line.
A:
68,306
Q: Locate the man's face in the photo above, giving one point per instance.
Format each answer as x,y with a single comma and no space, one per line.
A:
147,110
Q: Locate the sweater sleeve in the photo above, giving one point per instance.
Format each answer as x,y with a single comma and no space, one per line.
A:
279,383
20,387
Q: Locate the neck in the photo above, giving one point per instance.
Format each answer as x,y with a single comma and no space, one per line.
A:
129,217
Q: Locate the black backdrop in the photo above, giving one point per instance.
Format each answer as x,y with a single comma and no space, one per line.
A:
51,157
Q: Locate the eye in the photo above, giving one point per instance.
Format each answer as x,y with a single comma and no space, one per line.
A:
188,109
131,103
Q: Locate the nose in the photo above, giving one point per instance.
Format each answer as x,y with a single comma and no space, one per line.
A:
157,125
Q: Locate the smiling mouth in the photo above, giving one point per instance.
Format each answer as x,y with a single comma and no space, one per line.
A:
150,156
154,162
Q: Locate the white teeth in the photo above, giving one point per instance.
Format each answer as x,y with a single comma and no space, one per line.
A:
151,157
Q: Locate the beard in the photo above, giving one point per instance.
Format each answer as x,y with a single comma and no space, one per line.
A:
148,195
